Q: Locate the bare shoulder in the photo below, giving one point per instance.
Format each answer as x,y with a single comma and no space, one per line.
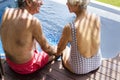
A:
96,18
6,12
67,27
96,21
36,26
35,21
67,31
93,19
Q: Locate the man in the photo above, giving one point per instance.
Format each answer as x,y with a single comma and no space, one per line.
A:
19,31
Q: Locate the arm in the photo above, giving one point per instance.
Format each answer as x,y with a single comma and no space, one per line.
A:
40,38
65,38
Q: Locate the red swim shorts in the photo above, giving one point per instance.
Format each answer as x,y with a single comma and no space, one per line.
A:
38,61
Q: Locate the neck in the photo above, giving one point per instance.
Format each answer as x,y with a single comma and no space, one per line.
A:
80,14
27,9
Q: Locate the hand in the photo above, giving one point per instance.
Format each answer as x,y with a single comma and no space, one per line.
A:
54,49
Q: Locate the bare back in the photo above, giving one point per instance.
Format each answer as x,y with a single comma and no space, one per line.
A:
16,35
88,35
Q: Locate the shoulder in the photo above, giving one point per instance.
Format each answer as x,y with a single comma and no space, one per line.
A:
96,20
7,12
93,19
35,22
36,26
67,30
67,27
92,16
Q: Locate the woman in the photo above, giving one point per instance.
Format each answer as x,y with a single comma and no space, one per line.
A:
83,34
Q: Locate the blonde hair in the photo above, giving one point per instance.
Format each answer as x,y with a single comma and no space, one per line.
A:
81,3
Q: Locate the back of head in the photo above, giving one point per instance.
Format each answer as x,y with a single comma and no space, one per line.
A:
81,3
21,3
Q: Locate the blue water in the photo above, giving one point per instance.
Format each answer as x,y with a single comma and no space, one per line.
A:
54,16
53,19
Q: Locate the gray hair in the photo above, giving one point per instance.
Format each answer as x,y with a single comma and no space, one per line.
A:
81,3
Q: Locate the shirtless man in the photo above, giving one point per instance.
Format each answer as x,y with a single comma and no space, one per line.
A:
19,30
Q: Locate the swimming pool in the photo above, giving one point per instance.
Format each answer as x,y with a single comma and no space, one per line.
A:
54,16
52,19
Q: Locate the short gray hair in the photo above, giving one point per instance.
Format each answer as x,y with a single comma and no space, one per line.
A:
81,3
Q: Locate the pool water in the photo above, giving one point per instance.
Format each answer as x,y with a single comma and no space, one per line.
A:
53,21
54,16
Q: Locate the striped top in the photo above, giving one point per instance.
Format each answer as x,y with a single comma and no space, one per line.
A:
78,63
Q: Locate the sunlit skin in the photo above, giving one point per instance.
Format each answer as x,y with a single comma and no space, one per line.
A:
87,27
19,31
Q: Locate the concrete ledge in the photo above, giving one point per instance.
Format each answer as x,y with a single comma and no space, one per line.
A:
105,5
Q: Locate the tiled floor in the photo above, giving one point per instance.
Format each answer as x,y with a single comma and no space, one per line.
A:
109,70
